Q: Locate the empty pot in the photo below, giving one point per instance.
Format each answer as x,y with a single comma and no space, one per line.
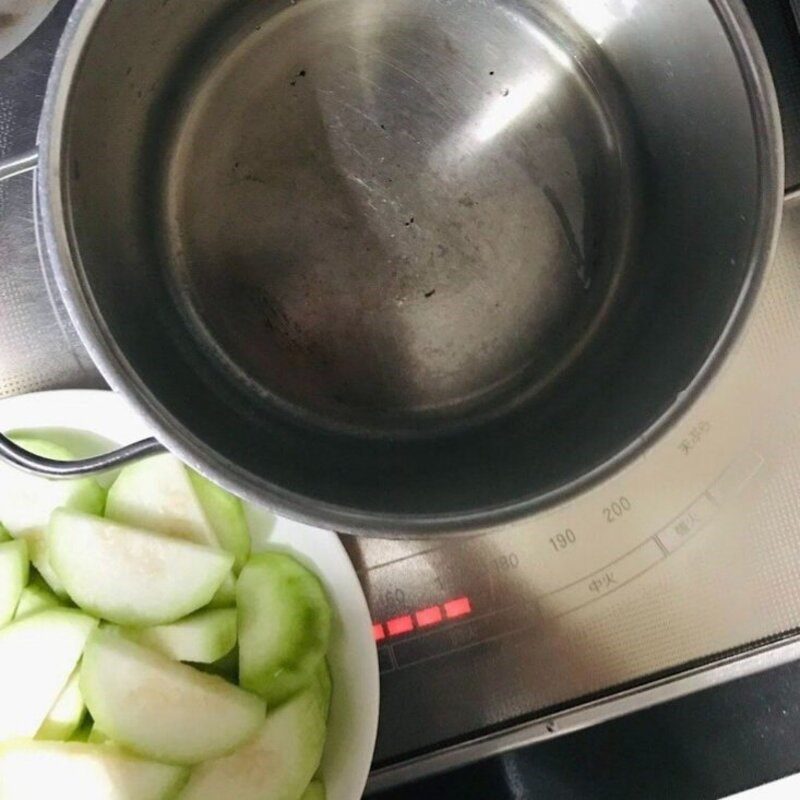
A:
407,266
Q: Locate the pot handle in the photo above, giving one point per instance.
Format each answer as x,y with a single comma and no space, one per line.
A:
16,165
48,467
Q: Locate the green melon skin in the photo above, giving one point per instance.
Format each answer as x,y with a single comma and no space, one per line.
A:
315,791
201,638
14,573
226,515
284,626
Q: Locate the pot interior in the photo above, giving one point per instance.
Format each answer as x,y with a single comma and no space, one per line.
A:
403,263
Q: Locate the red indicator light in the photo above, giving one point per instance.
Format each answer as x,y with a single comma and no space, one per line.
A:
378,632
429,616
399,625
457,608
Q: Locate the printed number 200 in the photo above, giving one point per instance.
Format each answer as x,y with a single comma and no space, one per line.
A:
616,509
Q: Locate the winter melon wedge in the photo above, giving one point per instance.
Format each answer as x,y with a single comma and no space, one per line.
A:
225,513
66,715
14,567
160,708
27,501
314,791
156,494
36,596
37,657
163,495
225,596
284,626
202,638
79,771
130,576
278,763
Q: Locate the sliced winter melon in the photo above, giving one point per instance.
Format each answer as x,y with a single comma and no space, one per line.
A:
5,536
96,736
36,596
227,667
40,558
162,495
78,771
129,576
37,656
278,763
225,513
27,501
322,687
284,626
14,567
203,637
225,596
314,791
84,731
161,708
156,494
66,715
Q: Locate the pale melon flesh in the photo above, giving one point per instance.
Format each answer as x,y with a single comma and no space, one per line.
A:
66,716
156,494
27,501
160,708
163,495
37,657
14,571
202,638
277,764
36,596
79,771
129,576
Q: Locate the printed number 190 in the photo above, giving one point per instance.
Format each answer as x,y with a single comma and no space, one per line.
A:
561,541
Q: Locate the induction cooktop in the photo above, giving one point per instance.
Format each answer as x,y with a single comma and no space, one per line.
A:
679,573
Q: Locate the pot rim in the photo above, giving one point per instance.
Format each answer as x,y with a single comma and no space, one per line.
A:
178,439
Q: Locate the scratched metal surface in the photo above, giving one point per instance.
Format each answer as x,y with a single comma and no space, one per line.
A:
38,347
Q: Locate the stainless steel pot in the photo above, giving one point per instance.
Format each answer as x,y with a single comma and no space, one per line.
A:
407,266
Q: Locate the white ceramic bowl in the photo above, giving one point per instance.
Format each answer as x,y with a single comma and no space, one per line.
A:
92,420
